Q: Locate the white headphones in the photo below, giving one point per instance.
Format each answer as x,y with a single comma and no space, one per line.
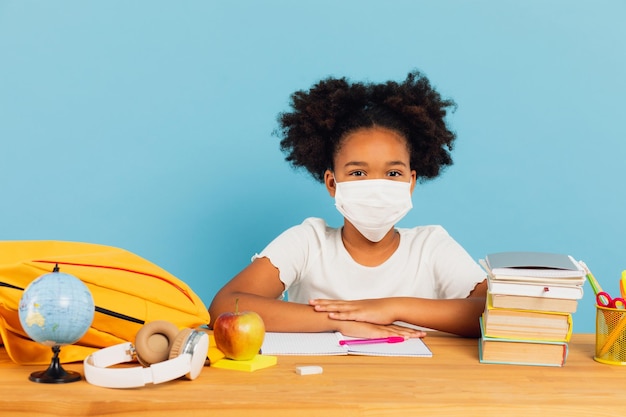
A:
166,353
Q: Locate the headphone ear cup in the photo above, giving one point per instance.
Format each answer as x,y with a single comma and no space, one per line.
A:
179,343
154,341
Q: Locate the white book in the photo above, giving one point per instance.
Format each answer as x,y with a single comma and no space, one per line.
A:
573,292
524,279
315,344
533,265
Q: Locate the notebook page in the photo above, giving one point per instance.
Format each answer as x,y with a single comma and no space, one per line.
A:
302,344
314,344
410,347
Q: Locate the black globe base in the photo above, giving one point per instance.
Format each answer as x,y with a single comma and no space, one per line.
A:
55,374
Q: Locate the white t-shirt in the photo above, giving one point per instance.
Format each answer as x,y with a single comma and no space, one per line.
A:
428,263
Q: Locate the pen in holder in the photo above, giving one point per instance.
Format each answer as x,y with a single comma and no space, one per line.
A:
610,335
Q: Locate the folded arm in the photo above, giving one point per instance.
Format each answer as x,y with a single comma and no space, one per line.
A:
258,288
458,316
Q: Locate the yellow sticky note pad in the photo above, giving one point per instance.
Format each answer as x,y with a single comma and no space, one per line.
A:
258,362
214,354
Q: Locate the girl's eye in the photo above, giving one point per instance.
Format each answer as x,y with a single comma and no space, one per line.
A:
357,173
394,173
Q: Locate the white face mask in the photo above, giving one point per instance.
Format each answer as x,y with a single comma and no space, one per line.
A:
373,206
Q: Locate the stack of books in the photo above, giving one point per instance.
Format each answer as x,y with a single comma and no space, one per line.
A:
530,301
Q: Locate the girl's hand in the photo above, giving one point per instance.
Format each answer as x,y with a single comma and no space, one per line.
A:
370,331
376,311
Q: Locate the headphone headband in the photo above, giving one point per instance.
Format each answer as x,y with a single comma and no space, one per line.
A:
189,362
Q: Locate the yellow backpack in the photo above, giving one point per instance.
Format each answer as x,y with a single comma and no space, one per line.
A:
128,291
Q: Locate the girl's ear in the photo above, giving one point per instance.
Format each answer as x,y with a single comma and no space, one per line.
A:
413,179
329,181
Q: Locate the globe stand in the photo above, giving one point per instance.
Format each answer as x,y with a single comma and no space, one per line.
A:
55,374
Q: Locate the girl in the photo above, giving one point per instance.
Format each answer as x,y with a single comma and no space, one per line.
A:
369,144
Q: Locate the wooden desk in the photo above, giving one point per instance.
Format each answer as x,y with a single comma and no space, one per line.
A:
451,383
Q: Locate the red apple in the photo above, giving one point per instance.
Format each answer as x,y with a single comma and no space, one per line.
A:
239,335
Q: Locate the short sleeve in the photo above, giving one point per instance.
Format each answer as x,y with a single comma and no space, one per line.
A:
456,272
292,250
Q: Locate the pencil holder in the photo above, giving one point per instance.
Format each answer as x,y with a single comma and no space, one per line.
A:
610,335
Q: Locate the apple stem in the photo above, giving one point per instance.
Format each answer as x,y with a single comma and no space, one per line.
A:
236,305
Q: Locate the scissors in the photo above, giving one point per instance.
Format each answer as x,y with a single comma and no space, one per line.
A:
605,300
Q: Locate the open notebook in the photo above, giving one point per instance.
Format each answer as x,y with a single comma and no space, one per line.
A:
313,344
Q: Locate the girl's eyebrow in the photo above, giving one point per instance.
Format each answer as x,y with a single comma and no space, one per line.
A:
396,163
364,164
356,164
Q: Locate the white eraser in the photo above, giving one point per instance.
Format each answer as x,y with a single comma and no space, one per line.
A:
309,370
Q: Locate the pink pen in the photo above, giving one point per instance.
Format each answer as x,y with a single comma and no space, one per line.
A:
391,339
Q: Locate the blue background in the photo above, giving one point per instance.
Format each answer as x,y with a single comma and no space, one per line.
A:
147,125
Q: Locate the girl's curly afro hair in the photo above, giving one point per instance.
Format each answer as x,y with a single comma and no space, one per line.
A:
334,107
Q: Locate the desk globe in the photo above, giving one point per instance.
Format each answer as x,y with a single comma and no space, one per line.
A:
56,309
